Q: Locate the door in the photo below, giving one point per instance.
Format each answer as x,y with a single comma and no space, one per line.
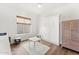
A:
49,29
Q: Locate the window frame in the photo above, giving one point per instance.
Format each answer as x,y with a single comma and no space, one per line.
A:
23,24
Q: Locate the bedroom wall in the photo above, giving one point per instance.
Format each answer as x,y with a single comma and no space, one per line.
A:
8,14
49,29
67,12
7,19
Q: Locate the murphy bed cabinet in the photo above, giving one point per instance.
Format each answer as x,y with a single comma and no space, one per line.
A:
70,34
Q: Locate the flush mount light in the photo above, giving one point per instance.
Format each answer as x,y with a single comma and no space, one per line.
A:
39,5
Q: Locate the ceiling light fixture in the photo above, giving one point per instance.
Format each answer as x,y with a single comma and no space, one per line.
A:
39,5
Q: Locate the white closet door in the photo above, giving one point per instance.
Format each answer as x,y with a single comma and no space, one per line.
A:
43,28
54,29
49,29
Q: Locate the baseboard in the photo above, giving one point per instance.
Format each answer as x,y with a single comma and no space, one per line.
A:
52,42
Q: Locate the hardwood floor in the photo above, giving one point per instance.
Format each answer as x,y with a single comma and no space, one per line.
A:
17,49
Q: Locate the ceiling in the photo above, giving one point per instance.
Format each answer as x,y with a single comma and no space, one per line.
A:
47,8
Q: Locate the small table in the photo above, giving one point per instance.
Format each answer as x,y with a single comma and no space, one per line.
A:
34,39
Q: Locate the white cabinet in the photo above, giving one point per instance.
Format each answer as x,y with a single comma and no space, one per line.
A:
4,45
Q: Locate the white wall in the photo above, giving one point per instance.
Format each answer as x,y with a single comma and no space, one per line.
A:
8,14
7,19
67,12
49,29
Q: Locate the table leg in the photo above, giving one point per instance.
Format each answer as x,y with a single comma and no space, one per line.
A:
29,44
34,43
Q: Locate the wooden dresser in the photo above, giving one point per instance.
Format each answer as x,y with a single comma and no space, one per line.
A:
70,34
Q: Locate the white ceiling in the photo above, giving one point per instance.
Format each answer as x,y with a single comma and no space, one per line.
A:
47,8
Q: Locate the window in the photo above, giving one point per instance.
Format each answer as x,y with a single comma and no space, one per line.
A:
23,24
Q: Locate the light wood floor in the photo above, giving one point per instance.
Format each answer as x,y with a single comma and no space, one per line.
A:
54,49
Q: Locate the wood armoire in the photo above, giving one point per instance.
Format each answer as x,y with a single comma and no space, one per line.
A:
70,34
